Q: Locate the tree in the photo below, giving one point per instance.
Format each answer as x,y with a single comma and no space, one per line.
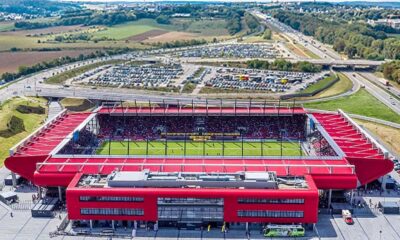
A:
339,45
267,34
163,19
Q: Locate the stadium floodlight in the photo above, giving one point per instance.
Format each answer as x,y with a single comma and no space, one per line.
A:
192,107
220,106
150,107
164,106
136,108
294,105
249,106
184,144
262,147
147,146
265,103
166,145
206,107
235,106
242,146
129,136
178,106
109,145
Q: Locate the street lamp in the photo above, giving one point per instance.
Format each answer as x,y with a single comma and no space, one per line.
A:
380,234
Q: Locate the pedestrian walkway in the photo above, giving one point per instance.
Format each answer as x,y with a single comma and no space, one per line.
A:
54,109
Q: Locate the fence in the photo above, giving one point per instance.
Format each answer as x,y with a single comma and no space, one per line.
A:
297,95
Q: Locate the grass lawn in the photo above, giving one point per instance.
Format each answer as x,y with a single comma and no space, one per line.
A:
320,84
77,104
361,103
204,27
308,52
388,135
126,30
31,121
296,50
343,85
8,41
213,148
64,76
6,26
188,87
256,39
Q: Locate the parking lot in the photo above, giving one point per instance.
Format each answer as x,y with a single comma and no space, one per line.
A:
242,50
146,75
262,80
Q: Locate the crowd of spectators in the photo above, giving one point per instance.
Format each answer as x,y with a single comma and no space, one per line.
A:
249,127
321,145
81,143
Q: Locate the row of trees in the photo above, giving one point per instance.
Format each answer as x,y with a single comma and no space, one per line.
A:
283,65
356,40
181,43
234,21
100,18
25,70
391,70
36,7
252,22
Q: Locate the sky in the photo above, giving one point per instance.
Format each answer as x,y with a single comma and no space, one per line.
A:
234,0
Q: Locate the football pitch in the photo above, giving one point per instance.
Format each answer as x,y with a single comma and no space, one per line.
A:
209,148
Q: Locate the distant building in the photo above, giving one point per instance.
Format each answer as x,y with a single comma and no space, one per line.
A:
181,15
394,23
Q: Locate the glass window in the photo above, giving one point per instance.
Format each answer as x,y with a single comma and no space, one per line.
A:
110,199
271,214
190,212
113,211
271,201
162,200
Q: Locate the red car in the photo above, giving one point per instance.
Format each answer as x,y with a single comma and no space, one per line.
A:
349,220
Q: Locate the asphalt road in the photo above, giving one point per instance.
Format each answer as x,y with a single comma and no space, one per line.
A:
311,44
376,91
381,82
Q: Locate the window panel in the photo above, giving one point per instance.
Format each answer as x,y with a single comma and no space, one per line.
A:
110,199
270,201
271,214
113,211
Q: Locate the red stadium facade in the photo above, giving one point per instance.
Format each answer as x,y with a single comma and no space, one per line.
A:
140,195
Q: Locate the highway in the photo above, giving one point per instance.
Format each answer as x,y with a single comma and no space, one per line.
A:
381,82
28,83
310,43
324,62
376,91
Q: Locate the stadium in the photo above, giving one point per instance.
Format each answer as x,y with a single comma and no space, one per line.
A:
196,164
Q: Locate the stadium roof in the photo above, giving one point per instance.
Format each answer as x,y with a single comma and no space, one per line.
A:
364,159
204,110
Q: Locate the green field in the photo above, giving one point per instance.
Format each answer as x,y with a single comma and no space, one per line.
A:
204,27
126,30
209,148
361,103
320,84
31,122
6,26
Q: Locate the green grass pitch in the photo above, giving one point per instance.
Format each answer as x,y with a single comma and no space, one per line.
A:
213,148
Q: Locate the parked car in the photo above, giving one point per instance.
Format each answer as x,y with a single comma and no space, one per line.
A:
346,214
